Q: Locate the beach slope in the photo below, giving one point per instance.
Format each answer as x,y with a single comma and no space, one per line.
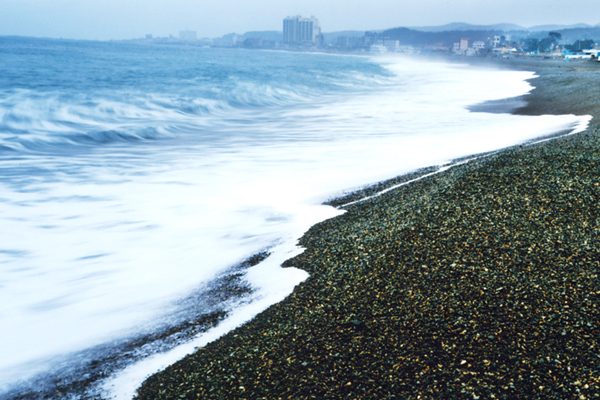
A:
479,282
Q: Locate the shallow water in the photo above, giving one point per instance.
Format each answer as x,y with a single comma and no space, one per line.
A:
132,176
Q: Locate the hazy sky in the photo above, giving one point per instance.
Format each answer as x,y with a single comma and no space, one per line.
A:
124,19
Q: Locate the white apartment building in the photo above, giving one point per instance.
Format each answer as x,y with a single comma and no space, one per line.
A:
392,46
301,30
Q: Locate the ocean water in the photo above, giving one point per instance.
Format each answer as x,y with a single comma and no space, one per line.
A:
133,178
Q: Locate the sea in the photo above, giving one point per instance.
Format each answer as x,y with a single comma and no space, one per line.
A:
149,193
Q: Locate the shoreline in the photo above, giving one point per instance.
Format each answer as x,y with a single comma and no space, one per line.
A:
476,282
94,365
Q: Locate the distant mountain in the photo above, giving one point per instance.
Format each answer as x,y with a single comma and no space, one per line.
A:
414,37
451,33
460,26
542,28
570,35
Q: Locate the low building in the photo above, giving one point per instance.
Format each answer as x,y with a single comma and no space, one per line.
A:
378,48
407,50
470,52
593,53
502,50
478,46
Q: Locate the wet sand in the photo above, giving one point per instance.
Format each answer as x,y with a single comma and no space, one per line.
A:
478,282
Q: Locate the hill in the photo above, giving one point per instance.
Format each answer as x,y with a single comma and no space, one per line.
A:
460,26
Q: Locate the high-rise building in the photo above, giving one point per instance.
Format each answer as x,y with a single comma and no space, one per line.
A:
301,30
464,45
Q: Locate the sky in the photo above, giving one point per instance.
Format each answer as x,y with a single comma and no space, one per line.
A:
127,19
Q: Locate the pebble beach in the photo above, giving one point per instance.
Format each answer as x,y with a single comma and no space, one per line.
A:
479,282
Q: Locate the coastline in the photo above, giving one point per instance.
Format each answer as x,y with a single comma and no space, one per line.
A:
475,282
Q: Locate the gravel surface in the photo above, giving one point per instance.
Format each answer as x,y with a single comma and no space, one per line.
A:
478,282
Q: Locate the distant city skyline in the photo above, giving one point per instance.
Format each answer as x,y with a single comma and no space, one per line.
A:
126,19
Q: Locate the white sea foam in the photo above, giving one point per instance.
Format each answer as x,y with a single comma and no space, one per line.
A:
101,245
